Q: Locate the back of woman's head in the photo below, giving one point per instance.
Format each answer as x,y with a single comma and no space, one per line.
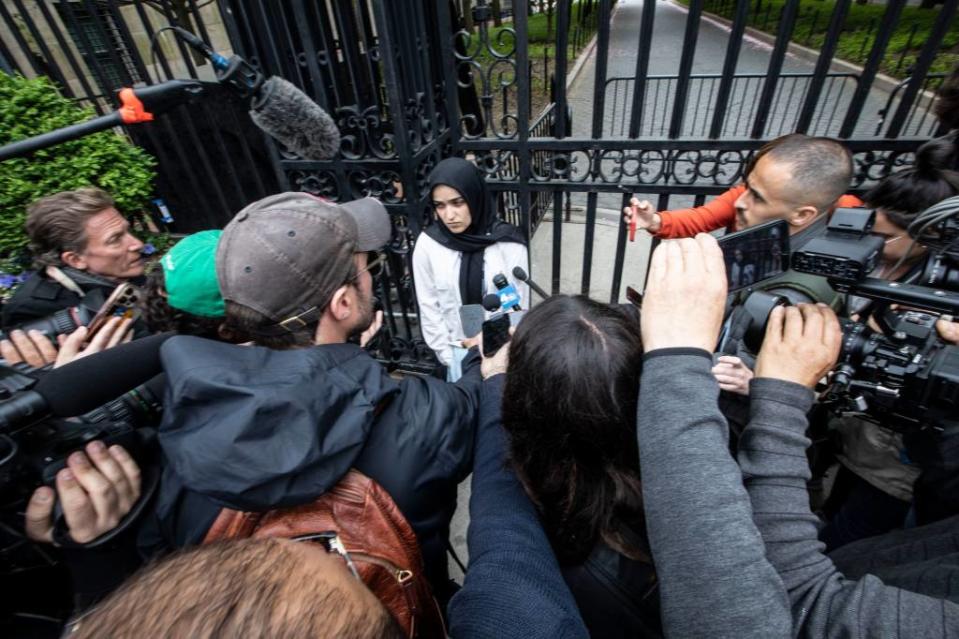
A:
904,194
569,407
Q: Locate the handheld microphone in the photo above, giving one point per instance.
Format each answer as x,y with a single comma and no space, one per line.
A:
508,295
521,275
292,118
88,383
491,302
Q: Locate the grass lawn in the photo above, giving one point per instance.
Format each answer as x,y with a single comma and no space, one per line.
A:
858,32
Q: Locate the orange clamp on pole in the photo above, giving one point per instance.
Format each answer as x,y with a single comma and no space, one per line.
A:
132,110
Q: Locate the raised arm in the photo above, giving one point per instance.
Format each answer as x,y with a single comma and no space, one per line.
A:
513,587
714,577
800,346
715,214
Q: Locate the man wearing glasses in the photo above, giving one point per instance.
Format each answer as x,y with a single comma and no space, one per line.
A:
279,423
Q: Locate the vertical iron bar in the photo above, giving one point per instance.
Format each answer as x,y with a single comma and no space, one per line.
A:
400,129
523,102
78,71
643,49
685,67
21,41
886,29
309,51
733,47
921,68
786,24
446,35
822,64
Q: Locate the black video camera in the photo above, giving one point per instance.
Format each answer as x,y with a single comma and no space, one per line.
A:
905,377
34,447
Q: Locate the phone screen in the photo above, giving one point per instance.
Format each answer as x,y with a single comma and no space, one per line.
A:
495,334
755,254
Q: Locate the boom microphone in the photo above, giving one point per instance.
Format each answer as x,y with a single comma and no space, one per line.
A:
291,117
88,383
521,275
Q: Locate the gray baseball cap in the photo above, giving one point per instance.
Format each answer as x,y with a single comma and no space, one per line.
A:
285,255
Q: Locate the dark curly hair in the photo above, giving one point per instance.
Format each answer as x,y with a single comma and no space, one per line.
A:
160,317
569,407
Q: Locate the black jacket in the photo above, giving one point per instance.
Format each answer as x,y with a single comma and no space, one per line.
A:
254,429
39,296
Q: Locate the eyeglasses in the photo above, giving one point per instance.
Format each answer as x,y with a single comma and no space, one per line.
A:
374,264
333,545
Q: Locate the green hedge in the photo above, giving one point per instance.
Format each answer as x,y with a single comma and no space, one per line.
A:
32,106
859,31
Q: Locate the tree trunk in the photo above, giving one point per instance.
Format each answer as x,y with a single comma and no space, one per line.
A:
497,10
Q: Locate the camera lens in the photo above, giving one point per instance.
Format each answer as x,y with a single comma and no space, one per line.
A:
857,342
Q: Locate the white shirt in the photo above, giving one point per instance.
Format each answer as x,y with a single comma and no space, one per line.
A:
436,274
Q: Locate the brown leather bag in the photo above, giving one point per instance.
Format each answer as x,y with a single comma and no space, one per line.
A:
375,534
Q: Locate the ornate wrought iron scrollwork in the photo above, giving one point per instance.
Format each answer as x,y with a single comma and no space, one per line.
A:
490,59
365,133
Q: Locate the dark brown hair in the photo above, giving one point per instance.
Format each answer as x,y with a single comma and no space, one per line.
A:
160,317
947,104
57,223
905,194
569,407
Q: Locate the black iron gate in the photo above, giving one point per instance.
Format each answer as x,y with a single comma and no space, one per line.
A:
409,84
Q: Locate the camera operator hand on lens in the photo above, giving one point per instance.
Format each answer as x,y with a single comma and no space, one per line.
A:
36,350
94,495
685,295
948,329
732,374
646,217
33,349
801,344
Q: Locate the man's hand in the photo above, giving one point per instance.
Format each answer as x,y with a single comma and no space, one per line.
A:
33,349
801,345
646,217
470,342
685,295
374,328
94,497
948,329
117,330
732,374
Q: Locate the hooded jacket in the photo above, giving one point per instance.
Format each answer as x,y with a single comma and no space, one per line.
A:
252,428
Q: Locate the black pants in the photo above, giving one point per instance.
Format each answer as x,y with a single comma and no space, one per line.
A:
856,509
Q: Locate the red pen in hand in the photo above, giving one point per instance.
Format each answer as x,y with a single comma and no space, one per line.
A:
632,222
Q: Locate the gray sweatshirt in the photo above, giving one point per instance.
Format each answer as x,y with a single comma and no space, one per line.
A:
772,455
717,578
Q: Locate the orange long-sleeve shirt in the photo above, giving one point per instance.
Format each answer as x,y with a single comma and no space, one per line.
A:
716,214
